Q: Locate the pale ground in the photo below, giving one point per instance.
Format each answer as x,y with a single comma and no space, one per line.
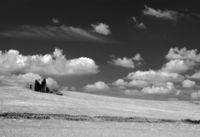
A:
73,103
57,128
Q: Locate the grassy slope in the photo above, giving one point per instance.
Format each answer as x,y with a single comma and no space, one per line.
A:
13,99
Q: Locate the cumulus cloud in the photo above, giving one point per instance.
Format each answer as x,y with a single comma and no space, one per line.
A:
121,83
138,24
127,62
162,14
178,66
155,76
138,57
51,83
22,79
61,33
172,78
181,60
66,88
101,28
149,82
98,86
124,62
188,83
196,75
55,21
138,83
12,61
195,95
160,89
183,54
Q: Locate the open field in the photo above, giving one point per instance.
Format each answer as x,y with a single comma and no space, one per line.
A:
27,113
60,128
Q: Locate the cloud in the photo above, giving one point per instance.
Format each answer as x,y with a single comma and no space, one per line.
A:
138,57
196,75
162,14
138,83
51,83
132,91
172,78
60,33
149,82
178,66
127,62
56,63
55,21
66,88
124,62
138,24
188,83
98,86
183,54
122,84
160,89
195,95
22,79
155,76
101,28
181,60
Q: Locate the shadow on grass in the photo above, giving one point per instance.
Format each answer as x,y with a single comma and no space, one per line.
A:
34,116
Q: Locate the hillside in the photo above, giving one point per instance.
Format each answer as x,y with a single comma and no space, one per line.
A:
14,99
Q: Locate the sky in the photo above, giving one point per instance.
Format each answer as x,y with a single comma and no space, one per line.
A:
145,49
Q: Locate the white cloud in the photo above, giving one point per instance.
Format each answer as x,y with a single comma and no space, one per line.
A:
22,79
98,86
155,76
149,82
101,28
121,83
50,64
131,91
124,62
160,89
162,14
181,60
127,62
138,57
195,95
51,83
196,75
188,83
60,33
141,25
138,24
138,83
171,78
72,88
178,66
183,54
67,88
55,21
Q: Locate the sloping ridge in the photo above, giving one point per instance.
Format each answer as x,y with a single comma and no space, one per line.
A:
22,101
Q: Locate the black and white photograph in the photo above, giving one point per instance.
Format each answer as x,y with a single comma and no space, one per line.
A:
99,68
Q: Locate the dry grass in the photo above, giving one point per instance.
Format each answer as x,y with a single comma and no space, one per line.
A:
26,113
62,128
